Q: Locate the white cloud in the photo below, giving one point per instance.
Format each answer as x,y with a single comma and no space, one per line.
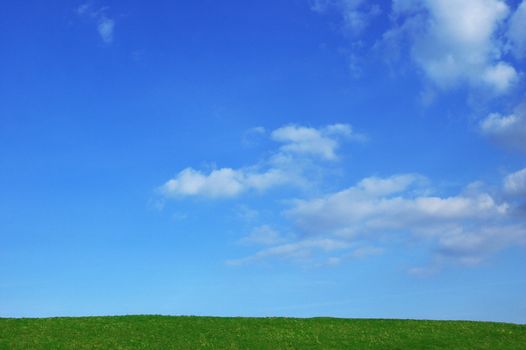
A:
359,210
321,143
288,165
454,42
472,246
501,76
507,130
465,228
517,31
105,28
377,186
515,183
224,182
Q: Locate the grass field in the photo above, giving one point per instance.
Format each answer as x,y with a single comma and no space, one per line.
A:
167,332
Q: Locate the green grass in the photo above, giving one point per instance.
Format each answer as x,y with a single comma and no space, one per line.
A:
166,332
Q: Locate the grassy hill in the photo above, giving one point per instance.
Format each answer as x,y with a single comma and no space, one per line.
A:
166,332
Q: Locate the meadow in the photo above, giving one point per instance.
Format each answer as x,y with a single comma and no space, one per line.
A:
192,332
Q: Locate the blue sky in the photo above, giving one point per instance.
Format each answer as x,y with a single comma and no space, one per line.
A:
274,158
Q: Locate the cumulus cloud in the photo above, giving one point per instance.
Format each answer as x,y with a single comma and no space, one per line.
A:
224,182
360,210
321,143
377,186
105,24
507,130
515,183
501,76
284,167
453,43
456,42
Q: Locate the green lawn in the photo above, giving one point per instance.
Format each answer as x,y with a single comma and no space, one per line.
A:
166,332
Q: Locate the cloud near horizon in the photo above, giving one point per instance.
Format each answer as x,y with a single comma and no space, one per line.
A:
462,229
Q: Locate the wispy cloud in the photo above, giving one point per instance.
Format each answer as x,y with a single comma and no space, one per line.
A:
356,14
507,130
466,228
263,235
299,250
517,31
99,15
253,135
515,183
105,28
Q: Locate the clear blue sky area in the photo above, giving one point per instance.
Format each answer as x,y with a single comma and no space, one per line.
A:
302,158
